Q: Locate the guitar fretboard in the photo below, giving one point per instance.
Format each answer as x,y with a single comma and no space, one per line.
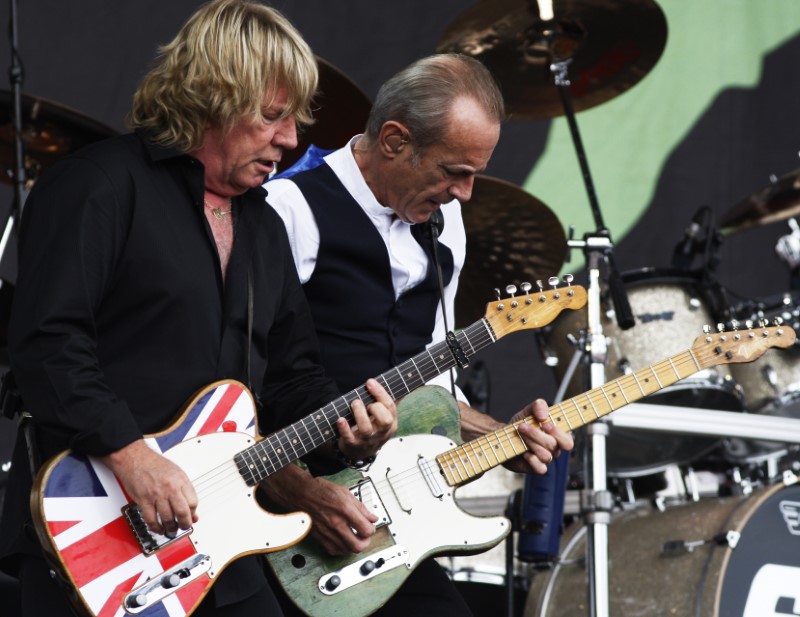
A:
473,458
296,440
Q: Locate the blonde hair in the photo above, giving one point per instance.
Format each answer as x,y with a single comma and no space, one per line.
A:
217,70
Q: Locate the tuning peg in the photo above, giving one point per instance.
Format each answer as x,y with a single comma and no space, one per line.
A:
526,287
497,294
720,328
542,297
706,329
778,321
568,278
511,290
553,281
749,324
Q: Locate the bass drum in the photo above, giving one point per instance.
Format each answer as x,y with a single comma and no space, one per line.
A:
670,310
648,575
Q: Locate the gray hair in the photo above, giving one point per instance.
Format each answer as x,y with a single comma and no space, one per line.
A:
420,96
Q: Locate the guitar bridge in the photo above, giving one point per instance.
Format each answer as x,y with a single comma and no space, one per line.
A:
148,541
365,492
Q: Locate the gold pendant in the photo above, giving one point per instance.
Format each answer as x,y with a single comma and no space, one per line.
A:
219,213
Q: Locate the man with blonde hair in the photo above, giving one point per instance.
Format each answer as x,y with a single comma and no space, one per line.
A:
149,268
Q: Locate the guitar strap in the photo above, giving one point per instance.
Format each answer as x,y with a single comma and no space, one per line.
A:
255,393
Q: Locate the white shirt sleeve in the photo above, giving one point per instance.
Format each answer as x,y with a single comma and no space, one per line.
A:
288,201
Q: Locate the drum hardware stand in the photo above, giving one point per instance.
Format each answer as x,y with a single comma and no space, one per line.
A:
16,76
597,501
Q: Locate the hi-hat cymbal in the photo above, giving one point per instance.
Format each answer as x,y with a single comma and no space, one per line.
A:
512,238
340,109
49,131
778,202
612,45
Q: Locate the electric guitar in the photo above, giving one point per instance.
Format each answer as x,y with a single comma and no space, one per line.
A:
411,484
97,540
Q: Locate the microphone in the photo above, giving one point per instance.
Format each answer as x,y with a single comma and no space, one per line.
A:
683,254
435,224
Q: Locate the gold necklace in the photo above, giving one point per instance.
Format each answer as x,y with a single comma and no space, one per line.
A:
219,212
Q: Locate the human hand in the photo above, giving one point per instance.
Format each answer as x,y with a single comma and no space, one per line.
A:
161,489
544,443
374,424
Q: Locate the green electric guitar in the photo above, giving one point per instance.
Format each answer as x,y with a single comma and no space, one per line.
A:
411,485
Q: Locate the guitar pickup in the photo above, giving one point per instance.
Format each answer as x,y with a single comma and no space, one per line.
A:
363,570
148,541
170,581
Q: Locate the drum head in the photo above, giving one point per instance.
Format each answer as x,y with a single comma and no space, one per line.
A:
762,577
731,557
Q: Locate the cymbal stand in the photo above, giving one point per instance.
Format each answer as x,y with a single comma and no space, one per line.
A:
16,77
597,501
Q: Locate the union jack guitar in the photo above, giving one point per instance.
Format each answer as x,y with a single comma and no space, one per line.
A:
96,538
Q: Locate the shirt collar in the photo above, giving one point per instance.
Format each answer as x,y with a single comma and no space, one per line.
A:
343,162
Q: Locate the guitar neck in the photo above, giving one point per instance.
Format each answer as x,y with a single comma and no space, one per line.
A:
296,440
473,458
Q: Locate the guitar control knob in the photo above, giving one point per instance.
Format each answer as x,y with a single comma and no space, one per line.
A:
367,567
170,581
333,582
137,601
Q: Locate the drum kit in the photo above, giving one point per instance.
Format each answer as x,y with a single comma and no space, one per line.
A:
683,505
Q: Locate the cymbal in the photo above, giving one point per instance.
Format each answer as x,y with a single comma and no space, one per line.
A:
778,202
49,131
341,110
512,238
611,45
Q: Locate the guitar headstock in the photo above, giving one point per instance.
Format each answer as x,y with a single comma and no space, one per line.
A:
533,309
735,346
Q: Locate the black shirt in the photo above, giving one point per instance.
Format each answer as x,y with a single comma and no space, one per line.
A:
120,313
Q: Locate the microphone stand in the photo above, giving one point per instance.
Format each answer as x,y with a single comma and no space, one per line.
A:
16,76
596,500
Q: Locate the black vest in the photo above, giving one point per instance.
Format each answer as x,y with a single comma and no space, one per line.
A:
363,331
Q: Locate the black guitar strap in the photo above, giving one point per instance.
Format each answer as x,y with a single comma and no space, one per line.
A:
250,306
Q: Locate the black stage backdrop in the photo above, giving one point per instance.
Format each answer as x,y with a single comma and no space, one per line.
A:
89,55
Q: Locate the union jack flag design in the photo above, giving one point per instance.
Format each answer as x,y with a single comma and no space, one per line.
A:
82,507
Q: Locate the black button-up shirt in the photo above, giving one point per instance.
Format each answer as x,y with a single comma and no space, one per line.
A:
120,313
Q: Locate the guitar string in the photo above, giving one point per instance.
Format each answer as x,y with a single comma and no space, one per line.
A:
477,334
575,419
578,419
631,383
508,436
394,382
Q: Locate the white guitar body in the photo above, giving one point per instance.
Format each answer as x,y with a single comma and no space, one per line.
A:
230,522
425,518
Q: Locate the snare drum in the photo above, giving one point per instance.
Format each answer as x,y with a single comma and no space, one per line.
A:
744,561
670,310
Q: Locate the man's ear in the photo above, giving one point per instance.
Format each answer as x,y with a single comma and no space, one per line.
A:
394,137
